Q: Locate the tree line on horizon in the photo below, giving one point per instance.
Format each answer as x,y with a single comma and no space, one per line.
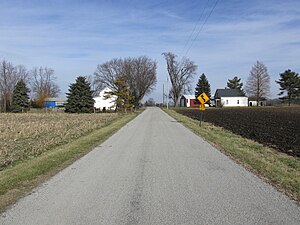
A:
130,79
38,84
181,73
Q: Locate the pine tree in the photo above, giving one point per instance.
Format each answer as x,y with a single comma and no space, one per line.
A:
20,99
290,83
80,98
202,86
124,99
235,83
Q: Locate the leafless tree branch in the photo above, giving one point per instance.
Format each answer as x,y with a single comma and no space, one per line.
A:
9,76
181,75
43,83
258,83
139,73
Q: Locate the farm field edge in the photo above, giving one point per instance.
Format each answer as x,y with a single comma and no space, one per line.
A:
277,168
19,180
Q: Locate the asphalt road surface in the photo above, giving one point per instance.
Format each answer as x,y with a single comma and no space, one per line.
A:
154,171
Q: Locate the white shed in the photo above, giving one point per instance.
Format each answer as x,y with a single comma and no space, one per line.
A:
102,103
253,102
230,97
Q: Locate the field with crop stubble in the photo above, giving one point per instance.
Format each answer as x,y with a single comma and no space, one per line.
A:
28,135
278,128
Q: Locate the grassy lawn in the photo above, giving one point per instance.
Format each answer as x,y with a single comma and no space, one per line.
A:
19,178
279,169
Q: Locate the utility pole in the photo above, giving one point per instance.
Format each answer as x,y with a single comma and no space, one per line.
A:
167,93
163,95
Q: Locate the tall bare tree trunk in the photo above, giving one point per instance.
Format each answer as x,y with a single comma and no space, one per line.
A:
181,75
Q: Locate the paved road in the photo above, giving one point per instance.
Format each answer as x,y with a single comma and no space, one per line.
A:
154,171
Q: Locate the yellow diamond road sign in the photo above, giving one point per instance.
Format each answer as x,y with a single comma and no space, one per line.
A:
203,98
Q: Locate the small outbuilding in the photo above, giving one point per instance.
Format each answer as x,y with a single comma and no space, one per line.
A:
188,101
253,102
103,103
54,102
230,98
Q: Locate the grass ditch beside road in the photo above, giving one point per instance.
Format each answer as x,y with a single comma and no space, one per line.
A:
279,169
15,182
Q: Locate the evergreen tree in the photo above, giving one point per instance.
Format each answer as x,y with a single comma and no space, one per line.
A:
124,99
202,86
290,83
235,83
20,99
80,98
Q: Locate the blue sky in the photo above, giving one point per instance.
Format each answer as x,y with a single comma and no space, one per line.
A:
73,36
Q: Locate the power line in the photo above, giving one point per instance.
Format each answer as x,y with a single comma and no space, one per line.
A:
196,25
201,28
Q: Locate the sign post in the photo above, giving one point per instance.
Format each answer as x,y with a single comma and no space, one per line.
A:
203,98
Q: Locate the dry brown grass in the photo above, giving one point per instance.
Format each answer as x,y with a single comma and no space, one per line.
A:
20,179
28,135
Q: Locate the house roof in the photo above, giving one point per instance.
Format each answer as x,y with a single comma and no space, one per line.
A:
97,93
55,99
104,89
229,93
254,99
189,96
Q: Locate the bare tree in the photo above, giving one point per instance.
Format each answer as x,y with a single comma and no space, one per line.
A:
22,74
9,77
107,73
181,75
258,83
43,83
139,74
8,80
94,86
150,102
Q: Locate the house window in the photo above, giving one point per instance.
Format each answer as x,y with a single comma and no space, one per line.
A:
226,102
238,101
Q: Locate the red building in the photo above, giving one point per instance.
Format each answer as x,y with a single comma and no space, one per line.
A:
189,101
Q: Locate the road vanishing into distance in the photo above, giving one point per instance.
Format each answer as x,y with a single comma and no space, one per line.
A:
154,171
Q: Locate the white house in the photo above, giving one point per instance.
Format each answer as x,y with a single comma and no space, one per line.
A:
102,103
230,98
